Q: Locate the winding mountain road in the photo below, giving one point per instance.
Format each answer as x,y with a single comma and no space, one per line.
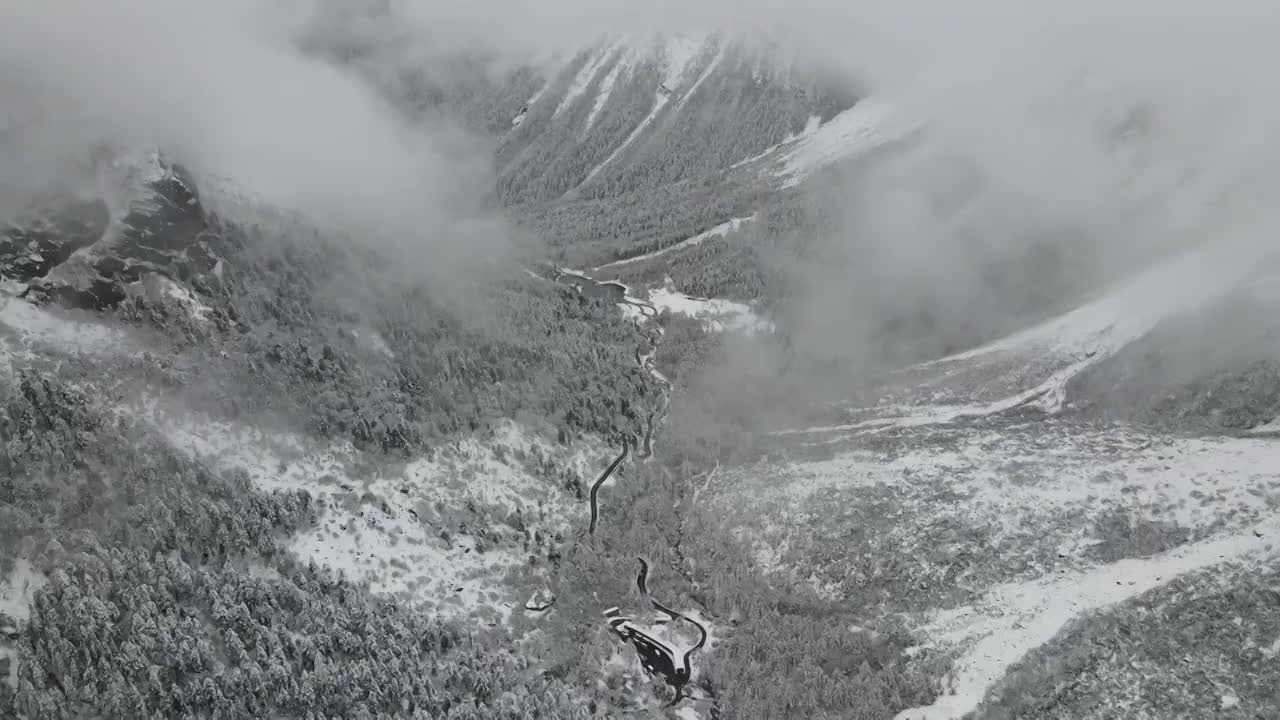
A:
595,487
657,656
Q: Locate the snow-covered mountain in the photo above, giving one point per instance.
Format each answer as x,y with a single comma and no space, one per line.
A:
630,115
251,465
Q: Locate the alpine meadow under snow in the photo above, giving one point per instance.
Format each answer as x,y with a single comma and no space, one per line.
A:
919,362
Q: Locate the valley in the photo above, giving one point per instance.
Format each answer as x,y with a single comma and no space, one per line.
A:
848,410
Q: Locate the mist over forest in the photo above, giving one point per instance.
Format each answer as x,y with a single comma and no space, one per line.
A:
354,354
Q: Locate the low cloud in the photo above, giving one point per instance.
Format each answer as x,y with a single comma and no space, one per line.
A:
225,89
1104,135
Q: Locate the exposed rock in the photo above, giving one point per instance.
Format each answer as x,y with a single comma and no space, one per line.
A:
75,254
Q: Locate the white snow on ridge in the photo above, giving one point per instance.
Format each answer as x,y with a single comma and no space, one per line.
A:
1016,618
679,51
585,75
1049,397
606,89
867,125
810,127
537,95
720,230
702,77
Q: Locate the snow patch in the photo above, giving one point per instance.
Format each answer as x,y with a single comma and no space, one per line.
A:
633,312
1192,482
434,531
659,102
811,126
606,88
680,50
31,325
1266,428
582,80
702,77
372,340
537,95
17,592
161,288
718,315
184,297
1025,491
867,125
10,655
19,588
1049,397
720,230
1015,618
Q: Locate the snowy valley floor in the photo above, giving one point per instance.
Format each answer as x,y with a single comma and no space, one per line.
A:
991,537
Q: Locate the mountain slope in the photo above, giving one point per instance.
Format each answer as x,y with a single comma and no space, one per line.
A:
178,386
254,466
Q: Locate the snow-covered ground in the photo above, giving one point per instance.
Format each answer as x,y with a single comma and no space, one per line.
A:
1015,618
990,532
412,530
26,328
582,79
161,288
717,315
1007,533
871,123
17,591
28,336
867,125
